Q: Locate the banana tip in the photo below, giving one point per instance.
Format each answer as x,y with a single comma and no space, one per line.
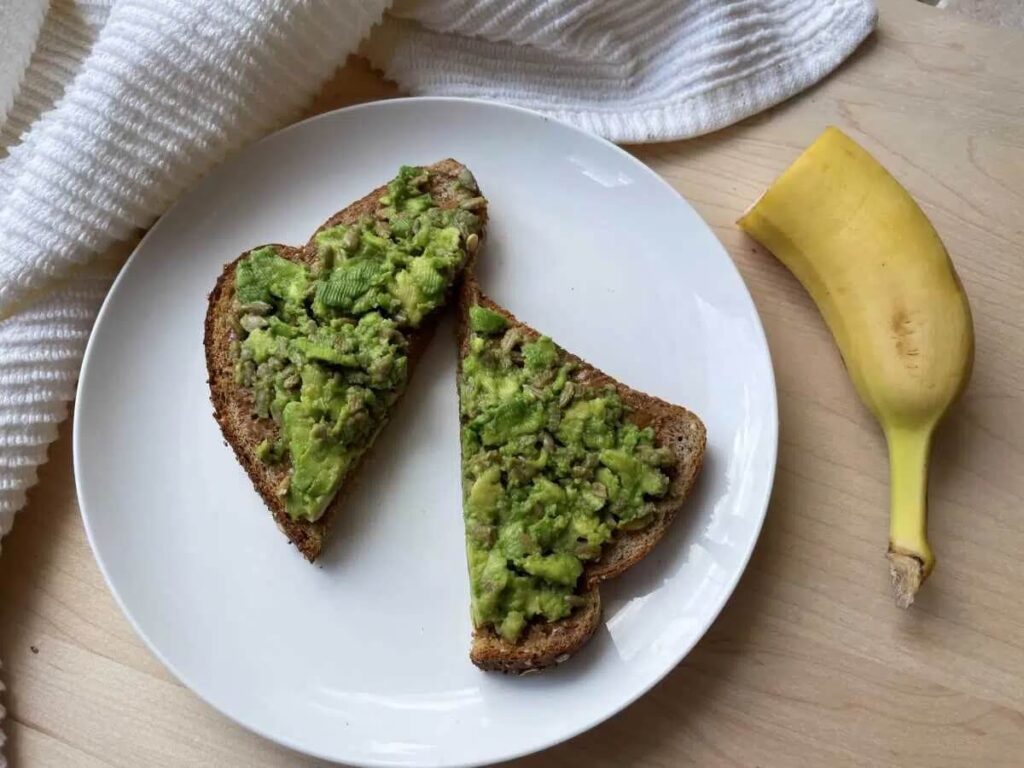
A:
907,573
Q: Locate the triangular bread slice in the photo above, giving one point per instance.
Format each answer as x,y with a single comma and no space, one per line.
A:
544,644
232,403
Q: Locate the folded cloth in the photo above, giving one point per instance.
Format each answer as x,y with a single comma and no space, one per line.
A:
110,109
628,70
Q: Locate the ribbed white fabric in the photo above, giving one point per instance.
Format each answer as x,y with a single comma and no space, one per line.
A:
123,104
629,70
41,348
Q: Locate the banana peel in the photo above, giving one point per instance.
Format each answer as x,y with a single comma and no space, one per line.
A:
886,287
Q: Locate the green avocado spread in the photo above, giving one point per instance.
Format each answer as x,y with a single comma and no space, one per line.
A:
323,350
551,470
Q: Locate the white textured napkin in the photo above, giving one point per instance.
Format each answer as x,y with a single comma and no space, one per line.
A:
109,110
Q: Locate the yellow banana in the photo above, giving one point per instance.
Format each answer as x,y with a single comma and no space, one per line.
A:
885,285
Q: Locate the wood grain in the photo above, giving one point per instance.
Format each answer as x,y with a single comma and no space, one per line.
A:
810,663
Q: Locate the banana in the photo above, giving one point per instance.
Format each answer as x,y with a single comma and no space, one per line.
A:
886,287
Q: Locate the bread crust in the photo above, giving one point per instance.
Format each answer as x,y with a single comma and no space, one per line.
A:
544,644
233,404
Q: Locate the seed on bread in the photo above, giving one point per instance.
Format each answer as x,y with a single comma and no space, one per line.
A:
473,204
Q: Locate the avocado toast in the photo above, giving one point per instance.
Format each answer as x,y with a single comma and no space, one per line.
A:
569,478
309,348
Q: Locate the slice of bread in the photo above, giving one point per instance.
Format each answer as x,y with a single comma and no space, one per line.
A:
233,404
544,644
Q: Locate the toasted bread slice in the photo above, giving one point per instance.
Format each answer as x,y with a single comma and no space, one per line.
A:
233,404
544,644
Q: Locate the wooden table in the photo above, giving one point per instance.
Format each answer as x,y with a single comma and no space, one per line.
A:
810,663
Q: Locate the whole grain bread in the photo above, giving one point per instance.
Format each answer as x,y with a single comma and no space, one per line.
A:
544,644
233,404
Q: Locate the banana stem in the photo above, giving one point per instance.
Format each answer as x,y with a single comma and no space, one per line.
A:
910,557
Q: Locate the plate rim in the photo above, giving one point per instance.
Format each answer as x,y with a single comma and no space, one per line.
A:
771,421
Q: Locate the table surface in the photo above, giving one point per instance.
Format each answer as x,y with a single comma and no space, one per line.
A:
810,662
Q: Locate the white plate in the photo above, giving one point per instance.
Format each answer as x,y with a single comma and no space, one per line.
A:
363,658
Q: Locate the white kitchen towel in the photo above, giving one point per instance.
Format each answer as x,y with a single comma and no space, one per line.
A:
628,70
109,109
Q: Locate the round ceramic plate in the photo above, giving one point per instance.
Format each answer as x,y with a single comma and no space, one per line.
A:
363,658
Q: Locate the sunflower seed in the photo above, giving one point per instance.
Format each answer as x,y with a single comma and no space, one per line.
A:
255,308
351,239
251,322
568,391
467,180
473,204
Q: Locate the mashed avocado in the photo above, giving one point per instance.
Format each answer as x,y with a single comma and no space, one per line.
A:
323,350
551,470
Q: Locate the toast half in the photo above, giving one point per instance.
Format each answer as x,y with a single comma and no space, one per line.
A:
676,428
233,405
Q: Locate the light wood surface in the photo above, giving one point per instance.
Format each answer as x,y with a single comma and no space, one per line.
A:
810,663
